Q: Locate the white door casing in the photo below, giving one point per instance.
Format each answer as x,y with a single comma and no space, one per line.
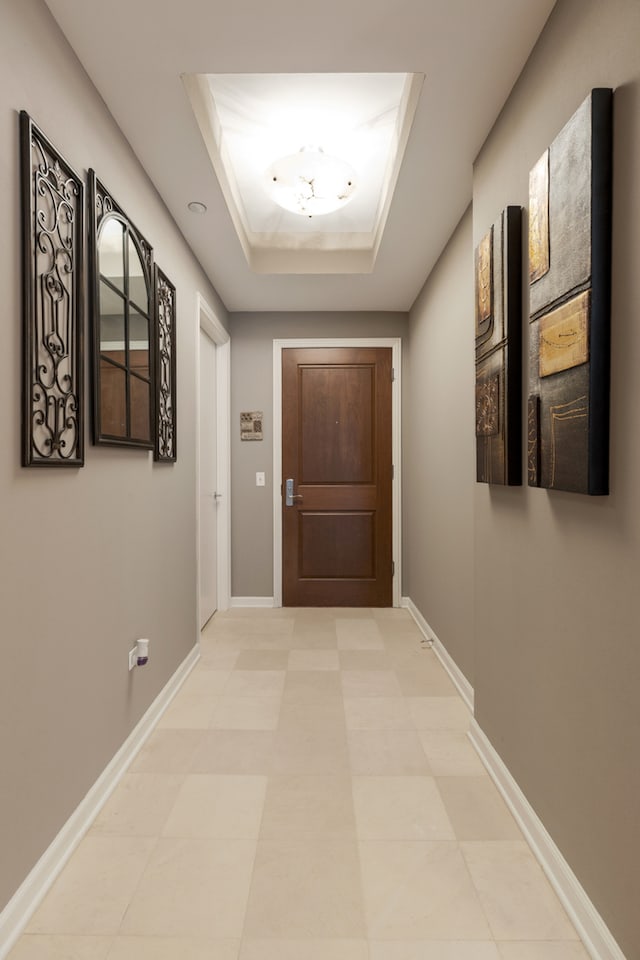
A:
212,463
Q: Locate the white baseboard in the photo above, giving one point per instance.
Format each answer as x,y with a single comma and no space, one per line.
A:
594,933
17,913
252,602
464,687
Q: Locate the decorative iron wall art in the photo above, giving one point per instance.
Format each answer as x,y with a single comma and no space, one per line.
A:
498,294
166,422
122,324
570,293
52,245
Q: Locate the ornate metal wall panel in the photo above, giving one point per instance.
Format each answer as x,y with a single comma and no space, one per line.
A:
166,422
570,287
52,248
498,284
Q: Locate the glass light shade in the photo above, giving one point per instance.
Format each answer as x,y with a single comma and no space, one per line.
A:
310,182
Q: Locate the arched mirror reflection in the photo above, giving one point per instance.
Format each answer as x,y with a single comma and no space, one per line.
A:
122,313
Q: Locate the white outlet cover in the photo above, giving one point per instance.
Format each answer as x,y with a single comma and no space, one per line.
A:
260,480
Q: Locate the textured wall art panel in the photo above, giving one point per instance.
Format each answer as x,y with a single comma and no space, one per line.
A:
498,287
570,292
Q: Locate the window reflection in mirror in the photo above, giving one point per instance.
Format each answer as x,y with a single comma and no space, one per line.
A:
122,318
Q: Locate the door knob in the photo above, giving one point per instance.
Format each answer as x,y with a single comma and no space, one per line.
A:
289,495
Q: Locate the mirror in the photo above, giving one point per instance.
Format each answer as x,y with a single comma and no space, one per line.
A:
123,325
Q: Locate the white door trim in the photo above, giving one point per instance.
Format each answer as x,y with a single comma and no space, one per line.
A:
208,322
395,343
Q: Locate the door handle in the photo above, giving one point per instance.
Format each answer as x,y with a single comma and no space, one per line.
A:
289,495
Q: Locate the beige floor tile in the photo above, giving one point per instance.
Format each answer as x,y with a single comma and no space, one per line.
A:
399,614
213,658
319,714
416,658
387,752
91,894
450,754
218,807
192,888
431,681
370,683
408,641
234,751
139,806
517,899
313,660
246,713
439,713
304,890
262,660
476,809
540,950
400,808
258,625
377,713
168,751
303,686
255,683
311,752
419,891
354,634
314,634
304,950
203,683
308,808
173,948
435,950
188,713
365,660
43,947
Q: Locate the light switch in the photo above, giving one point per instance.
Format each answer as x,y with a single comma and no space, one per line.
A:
259,479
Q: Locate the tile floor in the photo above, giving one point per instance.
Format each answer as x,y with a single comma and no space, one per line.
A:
309,795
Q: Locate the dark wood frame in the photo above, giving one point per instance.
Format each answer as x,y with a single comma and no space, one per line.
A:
101,206
165,450
499,355
53,304
588,470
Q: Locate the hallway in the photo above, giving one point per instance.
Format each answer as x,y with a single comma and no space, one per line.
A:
310,794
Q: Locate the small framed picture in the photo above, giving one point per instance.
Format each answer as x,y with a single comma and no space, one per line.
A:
251,425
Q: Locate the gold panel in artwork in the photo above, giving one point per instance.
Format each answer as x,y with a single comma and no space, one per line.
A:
484,292
564,336
539,219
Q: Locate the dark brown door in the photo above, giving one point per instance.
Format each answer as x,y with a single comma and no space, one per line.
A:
336,433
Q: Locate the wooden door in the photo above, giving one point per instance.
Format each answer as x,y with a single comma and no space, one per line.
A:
336,431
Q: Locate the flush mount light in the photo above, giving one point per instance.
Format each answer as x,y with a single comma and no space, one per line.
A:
310,182
196,207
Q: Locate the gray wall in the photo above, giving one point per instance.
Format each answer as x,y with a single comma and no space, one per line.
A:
91,558
545,621
438,460
252,336
558,658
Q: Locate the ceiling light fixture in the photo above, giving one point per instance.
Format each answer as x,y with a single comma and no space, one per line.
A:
197,207
310,182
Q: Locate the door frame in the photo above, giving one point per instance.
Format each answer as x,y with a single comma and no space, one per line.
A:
208,322
395,343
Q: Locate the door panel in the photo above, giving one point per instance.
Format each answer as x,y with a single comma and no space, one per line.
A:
336,428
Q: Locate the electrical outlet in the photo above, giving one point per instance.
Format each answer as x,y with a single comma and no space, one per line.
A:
260,480
133,658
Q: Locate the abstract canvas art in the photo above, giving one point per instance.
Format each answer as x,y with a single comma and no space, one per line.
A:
570,291
498,295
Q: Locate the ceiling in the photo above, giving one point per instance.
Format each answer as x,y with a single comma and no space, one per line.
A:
137,51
